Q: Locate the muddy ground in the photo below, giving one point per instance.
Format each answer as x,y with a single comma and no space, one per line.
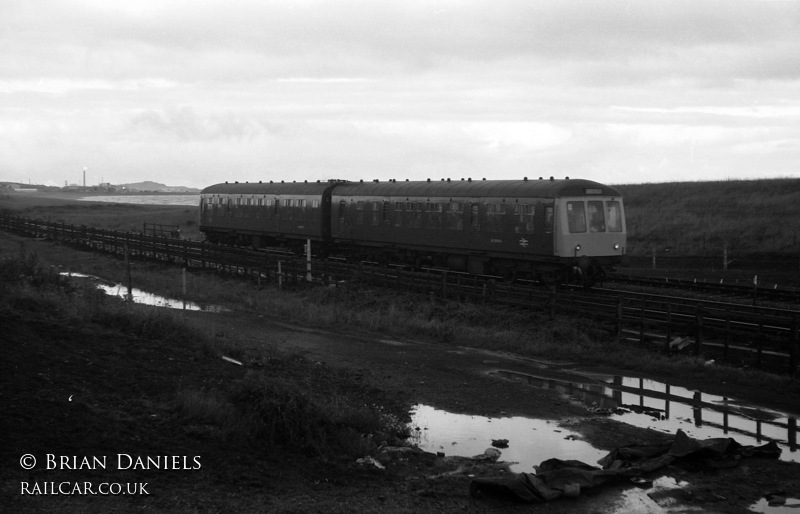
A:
71,392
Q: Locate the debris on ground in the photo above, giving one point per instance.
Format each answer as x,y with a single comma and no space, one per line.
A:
555,478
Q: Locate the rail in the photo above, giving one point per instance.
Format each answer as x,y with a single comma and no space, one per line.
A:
767,337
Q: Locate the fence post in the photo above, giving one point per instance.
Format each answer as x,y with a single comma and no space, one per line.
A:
698,340
618,335
794,347
669,327
641,321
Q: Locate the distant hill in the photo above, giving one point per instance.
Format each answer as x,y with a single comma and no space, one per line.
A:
148,185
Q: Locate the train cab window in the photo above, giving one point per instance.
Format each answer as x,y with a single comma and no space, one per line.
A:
613,217
576,216
596,215
523,218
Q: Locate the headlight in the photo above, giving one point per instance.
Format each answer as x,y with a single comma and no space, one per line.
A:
616,246
577,247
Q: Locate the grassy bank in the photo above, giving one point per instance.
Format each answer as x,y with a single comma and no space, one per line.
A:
749,217
289,403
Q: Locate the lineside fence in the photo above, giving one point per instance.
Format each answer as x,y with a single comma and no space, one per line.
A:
766,337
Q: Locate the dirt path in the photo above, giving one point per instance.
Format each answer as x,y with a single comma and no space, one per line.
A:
73,391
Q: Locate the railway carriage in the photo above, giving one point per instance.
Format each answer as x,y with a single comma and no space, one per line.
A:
266,214
540,228
514,228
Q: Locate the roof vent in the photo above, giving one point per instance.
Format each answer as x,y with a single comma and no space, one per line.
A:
448,179
376,181
484,178
259,181
525,179
566,178
551,179
361,181
236,182
429,180
469,179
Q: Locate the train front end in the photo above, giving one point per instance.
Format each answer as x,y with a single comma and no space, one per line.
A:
591,234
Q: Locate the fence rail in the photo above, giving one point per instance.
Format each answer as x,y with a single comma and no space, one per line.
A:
767,337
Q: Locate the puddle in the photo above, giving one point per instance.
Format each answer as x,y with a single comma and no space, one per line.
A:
776,504
657,498
145,298
531,441
659,406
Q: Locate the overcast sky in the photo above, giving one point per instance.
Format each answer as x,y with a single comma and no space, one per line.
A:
198,92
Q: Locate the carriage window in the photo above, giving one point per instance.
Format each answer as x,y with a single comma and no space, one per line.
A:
455,216
523,218
613,217
576,216
376,213
417,219
359,212
474,219
315,204
597,220
435,215
494,216
398,216
548,219
301,210
342,210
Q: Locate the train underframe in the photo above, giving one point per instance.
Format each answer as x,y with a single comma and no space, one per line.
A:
551,271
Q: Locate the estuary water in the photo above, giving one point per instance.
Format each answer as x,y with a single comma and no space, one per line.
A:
188,199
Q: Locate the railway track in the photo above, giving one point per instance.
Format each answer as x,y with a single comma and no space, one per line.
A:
768,336
754,291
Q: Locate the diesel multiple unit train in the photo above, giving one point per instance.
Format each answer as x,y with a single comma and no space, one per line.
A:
545,229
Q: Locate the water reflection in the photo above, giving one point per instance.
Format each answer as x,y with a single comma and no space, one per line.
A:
659,406
776,505
531,441
145,298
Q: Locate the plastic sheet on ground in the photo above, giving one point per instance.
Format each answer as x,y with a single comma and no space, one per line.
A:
555,478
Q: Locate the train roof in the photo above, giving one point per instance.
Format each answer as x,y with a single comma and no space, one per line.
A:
544,188
267,188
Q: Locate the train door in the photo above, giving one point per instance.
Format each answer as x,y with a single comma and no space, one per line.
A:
545,216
